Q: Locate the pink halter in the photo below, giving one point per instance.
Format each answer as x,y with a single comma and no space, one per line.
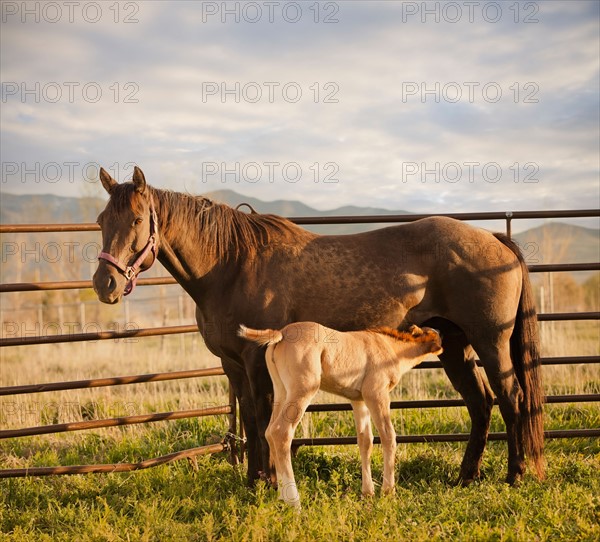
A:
131,272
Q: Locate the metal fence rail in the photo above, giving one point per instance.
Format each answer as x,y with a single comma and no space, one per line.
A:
190,454
227,444
111,381
191,328
114,422
230,442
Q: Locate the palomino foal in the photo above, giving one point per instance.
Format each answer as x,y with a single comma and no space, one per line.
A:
363,366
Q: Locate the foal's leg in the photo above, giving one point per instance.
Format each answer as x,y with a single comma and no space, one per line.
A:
379,406
269,436
279,398
281,434
277,434
364,434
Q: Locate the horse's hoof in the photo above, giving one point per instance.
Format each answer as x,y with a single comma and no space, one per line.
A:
465,481
515,474
514,480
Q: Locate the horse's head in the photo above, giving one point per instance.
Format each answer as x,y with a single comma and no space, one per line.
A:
129,236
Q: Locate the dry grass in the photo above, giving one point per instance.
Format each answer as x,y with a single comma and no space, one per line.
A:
75,361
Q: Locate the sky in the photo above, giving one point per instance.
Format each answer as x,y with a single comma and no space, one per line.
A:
427,107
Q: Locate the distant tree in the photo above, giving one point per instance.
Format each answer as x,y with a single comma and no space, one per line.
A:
591,293
568,295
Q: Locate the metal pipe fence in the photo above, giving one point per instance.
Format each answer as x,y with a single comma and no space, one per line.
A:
231,440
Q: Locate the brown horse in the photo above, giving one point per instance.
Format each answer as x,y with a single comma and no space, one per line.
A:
266,272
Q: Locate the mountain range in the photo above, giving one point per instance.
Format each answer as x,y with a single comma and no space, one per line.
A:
552,242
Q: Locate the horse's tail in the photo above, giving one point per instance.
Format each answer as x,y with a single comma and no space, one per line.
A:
262,337
525,353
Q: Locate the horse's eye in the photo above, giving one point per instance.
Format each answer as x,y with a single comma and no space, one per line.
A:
137,221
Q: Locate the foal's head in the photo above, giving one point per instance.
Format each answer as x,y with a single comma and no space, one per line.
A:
430,338
126,230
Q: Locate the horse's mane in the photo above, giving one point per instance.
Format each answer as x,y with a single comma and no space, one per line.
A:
226,232
403,336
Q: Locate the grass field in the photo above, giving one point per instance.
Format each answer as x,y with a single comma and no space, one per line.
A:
178,502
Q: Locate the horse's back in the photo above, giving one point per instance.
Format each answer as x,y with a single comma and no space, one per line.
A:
403,274
436,237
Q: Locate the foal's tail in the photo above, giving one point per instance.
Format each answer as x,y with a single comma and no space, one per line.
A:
262,337
525,353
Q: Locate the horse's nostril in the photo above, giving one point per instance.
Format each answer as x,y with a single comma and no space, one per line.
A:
112,284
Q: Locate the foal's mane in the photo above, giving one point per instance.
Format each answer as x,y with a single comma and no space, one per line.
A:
403,336
225,232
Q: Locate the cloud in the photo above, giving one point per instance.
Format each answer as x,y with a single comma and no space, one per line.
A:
362,101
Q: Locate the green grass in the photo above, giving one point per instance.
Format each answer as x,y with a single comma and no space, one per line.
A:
176,502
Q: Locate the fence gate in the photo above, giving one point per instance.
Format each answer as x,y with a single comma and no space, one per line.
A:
233,440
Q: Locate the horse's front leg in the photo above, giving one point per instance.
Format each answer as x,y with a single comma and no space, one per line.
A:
238,380
261,388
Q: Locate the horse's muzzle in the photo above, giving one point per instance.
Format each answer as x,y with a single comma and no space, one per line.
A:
108,285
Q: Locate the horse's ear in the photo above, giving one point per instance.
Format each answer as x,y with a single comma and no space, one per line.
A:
139,180
107,181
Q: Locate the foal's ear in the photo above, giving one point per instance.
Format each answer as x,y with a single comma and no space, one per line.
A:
107,181
139,180
415,331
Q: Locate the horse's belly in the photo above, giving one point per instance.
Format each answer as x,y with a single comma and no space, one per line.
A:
343,377
338,388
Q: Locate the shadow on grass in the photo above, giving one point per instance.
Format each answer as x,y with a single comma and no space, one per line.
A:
343,471
426,467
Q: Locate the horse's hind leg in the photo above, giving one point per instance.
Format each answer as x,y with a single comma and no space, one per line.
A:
497,362
458,360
